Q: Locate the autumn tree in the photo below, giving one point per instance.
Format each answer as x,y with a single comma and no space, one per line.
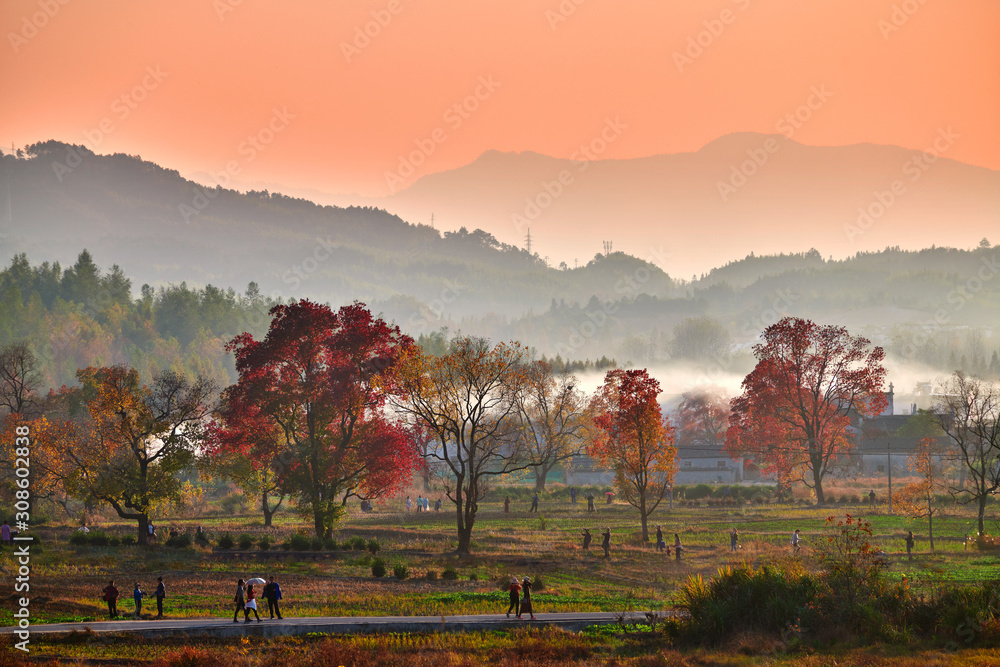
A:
115,441
554,418
320,379
968,412
19,380
917,500
702,418
635,440
469,398
699,339
797,403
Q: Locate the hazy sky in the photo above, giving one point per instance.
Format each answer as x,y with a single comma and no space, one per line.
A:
187,83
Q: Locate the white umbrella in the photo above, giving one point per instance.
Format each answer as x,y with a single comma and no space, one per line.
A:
256,581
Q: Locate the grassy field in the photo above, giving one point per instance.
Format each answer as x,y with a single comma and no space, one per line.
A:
67,581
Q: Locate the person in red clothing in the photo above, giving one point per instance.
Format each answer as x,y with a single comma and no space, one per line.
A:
251,604
515,601
111,597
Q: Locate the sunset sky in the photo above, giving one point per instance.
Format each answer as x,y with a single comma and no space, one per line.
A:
185,83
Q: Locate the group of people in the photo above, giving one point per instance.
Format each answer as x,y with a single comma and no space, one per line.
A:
534,501
245,600
661,545
605,540
111,595
520,598
423,504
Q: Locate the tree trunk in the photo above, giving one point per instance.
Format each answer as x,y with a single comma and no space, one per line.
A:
645,528
318,522
464,539
930,528
818,486
268,513
541,473
982,514
143,537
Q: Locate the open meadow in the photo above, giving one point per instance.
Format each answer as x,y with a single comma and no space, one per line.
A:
424,575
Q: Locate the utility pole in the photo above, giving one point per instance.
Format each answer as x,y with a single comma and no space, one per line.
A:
888,462
527,241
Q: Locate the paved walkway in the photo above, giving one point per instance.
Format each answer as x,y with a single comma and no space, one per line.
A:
224,627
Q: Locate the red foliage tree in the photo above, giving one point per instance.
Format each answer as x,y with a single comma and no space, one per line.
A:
702,418
310,401
797,403
635,440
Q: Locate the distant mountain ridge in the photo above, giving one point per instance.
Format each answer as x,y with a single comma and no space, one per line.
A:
742,193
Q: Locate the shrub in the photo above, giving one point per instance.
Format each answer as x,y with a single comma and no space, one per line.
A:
359,543
114,541
378,568
400,572
299,542
97,538
329,544
226,541
264,543
245,542
373,546
855,499
180,541
450,574
126,540
538,584
234,503
698,492
201,538
431,575
316,544
473,577
79,539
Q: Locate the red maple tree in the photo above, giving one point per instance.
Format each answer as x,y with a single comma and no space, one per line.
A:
635,440
310,403
797,403
702,418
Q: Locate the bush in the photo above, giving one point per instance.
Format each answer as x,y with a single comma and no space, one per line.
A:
431,575
400,572
373,546
201,538
114,542
316,544
234,503
226,541
538,584
299,542
329,544
245,542
78,539
359,543
181,541
449,574
97,538
378,568
126,540
264,543
698,492
473,577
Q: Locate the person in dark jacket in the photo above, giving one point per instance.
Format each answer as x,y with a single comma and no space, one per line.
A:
590,502
534,503
272,593
111,597
239,600
526,599
506,505
660,544
586,538
161,592
909,544
137,595
606,543
514,589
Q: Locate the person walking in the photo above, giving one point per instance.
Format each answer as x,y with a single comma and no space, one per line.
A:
734,538
514,590
606,543
586,538
796,540
251,604
272,593
137,595
660,544
909,545
239,600
5,533
677,546
111,597
161,592
534,503
420,504
526,599
437,505
409,504
506,505
572,495
590,502
871,500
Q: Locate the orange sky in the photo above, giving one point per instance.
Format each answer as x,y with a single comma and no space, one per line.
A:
223,73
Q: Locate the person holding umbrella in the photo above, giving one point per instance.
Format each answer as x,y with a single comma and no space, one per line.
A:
610,495
251,604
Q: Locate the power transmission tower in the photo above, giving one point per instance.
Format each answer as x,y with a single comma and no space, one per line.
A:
607,247
527,241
